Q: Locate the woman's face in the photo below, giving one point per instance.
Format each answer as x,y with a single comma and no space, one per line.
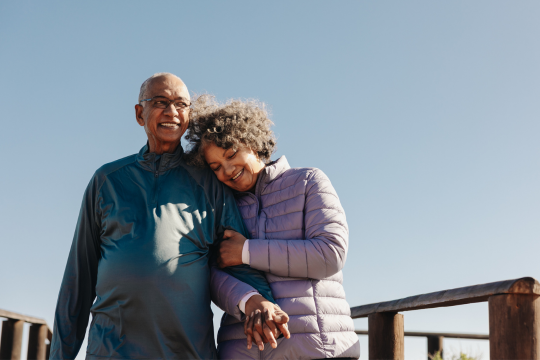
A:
237,169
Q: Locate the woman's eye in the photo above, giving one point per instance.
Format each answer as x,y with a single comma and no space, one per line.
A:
233,155
216,169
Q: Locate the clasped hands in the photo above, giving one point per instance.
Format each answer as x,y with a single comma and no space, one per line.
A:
264,320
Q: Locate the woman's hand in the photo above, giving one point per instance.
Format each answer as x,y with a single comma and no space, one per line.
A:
230,249
264,321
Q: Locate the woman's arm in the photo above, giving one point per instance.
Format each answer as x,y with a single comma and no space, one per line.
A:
227,291
324,251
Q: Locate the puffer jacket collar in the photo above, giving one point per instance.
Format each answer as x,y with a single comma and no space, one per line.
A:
148,160
271,172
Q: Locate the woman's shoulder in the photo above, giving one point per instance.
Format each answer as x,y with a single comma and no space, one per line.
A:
297,179
303,174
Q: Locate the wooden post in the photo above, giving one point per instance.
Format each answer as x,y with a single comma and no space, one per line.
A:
434,345
37,349
11,341
386,336
514,327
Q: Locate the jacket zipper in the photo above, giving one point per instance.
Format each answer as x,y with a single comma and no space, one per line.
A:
156,178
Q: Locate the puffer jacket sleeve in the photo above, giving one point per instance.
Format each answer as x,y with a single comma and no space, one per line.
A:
227,291
77,291
323,252
230,285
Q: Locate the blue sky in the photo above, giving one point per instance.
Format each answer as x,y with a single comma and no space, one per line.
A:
423,114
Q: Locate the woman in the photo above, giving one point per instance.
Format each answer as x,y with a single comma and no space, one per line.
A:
298,233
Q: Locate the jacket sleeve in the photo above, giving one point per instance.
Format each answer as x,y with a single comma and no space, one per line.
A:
77,291
229,285
227,291
323,252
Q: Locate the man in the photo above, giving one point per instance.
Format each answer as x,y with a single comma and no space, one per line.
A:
139,261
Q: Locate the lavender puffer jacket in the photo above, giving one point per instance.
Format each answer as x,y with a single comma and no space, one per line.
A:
299,238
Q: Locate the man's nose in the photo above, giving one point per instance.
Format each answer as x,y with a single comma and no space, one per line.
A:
171,110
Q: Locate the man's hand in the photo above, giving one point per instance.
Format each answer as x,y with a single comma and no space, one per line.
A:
230,250
264,322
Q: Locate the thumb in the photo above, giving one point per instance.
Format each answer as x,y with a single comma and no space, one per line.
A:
280,317
227,234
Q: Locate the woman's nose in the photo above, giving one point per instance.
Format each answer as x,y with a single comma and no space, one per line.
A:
229,169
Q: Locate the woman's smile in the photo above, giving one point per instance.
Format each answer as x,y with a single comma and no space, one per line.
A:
237,176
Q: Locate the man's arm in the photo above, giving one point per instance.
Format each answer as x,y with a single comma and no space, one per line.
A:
77,291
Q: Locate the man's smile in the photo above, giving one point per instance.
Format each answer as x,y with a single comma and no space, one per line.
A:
170,125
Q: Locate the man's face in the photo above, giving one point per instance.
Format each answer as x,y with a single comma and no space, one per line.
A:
164,127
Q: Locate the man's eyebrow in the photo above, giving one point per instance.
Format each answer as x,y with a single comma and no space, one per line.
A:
163,96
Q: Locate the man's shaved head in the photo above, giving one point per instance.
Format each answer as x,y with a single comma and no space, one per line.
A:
144,86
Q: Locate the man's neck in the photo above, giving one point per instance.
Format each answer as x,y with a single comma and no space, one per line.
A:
162,148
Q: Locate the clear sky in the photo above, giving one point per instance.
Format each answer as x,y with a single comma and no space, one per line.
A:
424,114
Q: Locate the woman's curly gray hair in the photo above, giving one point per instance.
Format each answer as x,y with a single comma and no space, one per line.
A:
229,125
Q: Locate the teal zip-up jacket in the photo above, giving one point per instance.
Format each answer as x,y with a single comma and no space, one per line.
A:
140,262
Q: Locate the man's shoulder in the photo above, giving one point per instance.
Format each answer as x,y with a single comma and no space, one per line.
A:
202,175
206,179
113,166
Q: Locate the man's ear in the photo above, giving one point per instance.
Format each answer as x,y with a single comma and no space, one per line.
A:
139,114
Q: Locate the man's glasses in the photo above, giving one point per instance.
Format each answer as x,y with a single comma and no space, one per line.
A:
161,102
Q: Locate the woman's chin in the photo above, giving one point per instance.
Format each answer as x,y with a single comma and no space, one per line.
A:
242,187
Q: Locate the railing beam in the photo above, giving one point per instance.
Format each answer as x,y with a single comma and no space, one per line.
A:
37,348
11,340
514,327
386,336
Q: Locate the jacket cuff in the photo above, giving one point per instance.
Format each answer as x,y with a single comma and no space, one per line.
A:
245,252
242,303
258,254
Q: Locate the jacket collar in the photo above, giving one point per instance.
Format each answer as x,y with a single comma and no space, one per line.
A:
271,172
167,161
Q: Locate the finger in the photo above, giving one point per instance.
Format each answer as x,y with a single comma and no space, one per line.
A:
284,328
227,234
257,322
249,327
268,321
246,321
281,318
258,340
268,315
270,336
248,336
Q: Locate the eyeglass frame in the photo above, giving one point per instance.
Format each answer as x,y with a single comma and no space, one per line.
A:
168,104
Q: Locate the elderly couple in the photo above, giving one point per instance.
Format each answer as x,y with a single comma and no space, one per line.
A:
163,232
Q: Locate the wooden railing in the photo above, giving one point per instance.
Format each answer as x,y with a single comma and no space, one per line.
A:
514,318
12,336
435,340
